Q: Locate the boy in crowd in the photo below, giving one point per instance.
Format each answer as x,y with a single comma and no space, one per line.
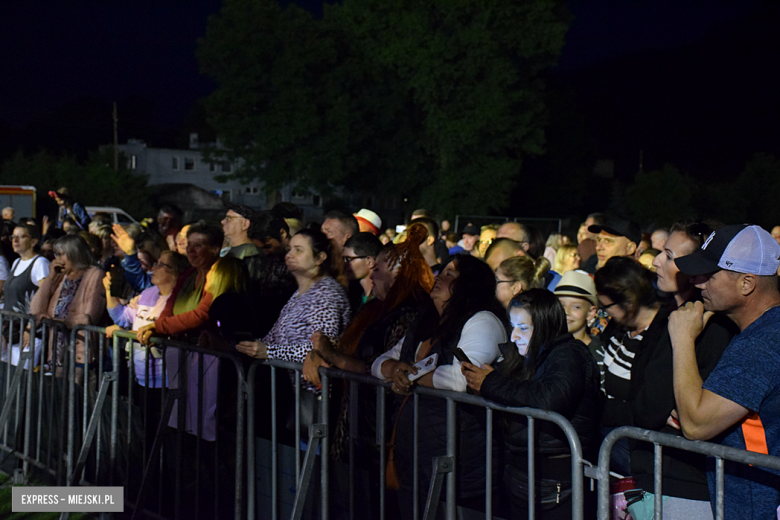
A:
577,293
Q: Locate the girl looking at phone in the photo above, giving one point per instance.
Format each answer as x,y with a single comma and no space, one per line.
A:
543,367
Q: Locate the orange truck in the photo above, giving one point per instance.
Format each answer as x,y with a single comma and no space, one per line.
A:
21,198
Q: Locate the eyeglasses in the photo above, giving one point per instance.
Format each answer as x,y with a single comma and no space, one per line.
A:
348,259
19,237
498,281
161,264
603,308
228,217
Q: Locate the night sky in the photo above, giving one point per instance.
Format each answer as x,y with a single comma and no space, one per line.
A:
690,82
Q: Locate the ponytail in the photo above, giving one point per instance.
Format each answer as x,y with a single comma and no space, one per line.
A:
530,273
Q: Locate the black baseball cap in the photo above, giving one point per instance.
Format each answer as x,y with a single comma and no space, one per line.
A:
619,227
471,229
242,209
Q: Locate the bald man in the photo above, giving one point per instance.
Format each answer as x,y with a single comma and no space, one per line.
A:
500,250
515,231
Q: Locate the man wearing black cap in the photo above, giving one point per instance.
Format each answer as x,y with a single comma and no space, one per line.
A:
470,238
236,227
617,237
736,271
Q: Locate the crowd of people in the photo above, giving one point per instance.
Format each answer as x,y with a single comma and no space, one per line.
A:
673,330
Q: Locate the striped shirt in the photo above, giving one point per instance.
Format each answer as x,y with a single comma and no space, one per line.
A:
619,354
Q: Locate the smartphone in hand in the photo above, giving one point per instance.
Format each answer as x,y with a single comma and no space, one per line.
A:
117,280
461,356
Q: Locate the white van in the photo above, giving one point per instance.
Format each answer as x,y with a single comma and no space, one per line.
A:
118,215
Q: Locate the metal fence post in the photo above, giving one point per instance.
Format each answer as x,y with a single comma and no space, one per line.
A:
452,450
324,458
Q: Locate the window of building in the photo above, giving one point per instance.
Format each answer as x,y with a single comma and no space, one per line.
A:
212,167
175,163
226,166
189,163
253,190
131,162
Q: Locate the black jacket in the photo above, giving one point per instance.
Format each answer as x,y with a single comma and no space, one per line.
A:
566,381
651,401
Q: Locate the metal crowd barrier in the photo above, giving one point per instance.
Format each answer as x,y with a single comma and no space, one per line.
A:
67,431
33,419
661,440
443,467
63,418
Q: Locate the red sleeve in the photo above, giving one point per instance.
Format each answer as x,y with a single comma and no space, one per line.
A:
189,320
168,310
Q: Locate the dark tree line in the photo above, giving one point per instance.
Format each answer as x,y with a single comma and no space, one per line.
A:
437,101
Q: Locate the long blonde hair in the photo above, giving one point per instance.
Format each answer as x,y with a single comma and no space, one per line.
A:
530,273
228,274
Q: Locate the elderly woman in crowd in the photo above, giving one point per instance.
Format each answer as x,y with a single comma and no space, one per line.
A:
465,315
187,308
74,294
545,368
143,309
186,315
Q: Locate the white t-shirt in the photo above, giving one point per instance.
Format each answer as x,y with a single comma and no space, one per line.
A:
479,340
39,271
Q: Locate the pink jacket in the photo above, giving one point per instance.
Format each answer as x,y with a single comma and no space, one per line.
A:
87,307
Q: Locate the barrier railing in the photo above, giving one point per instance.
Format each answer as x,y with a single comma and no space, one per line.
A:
661,440
198,369
24,397
69,426
42,405
442,467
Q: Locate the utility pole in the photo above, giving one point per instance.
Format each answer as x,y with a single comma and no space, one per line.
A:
116,141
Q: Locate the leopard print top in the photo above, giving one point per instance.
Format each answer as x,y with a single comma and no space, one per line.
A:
324,307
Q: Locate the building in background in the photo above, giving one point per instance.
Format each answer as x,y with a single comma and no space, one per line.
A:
182,176
185,178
